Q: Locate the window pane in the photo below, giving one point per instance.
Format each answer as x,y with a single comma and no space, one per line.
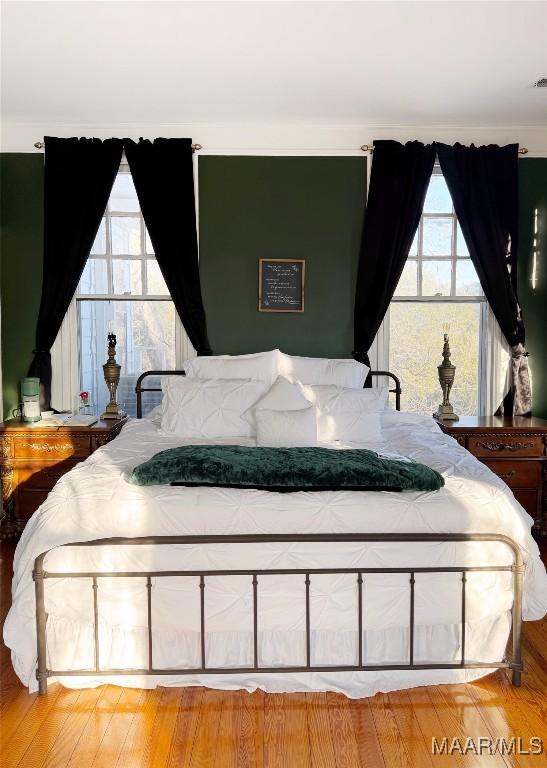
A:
467,282
436,278
438,198
149,246
94,279
126,235
408,282
145,332
415,351
99,246
414,247
124,195
461,245
126,276
437,237
155,283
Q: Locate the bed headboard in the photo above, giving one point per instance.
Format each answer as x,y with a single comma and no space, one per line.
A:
139,389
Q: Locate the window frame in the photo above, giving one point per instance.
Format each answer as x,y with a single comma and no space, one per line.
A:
480,299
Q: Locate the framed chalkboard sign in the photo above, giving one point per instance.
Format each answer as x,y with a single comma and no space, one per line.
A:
281,285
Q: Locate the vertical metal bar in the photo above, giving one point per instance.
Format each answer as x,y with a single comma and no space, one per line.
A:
464,580
411,642
202,612
517,664
255,621
149,606
96,623
41,620
360,617
308,639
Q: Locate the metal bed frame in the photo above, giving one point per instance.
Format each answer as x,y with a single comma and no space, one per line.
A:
41,575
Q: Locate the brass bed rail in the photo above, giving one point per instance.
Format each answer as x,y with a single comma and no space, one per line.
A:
41,575
139,389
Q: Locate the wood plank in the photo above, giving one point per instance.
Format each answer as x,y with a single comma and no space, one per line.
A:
185,727
206,742
21,724
94,729
157,749
111,746
430,725
229,728
49,729
321,744
251,729
393,746
419,751
140,730
501,724
61,751
286,737
466,714
343,737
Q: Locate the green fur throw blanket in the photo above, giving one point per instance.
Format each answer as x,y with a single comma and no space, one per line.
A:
284,469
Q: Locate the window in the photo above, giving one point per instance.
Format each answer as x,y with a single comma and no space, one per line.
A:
122,291
438,289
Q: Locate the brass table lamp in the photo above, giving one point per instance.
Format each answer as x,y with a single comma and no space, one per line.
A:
447,371
112,378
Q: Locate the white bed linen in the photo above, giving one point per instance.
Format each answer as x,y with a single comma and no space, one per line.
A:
94,500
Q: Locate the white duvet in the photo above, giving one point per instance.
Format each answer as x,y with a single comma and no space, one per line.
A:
94,500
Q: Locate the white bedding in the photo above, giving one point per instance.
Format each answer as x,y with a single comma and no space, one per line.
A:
94,501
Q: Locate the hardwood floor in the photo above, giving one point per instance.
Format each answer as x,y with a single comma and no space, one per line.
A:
176,727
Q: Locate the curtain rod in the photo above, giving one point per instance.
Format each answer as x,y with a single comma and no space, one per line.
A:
370,148
41,145
364,147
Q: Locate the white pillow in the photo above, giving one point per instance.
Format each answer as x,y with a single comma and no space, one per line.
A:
283,395
262,366
322,370
208,408
286,429
350,415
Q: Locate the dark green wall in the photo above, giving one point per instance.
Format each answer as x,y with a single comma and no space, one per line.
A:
21,208
280,207
533,195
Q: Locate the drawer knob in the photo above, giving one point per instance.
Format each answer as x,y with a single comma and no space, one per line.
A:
492,445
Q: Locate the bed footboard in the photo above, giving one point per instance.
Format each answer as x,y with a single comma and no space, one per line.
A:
40,576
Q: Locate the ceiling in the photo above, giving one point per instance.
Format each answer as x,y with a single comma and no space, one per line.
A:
390,63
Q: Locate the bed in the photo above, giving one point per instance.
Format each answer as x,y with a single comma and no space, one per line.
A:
356,592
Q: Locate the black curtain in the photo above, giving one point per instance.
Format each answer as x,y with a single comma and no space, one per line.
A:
398,184
78,178
163,174
483,183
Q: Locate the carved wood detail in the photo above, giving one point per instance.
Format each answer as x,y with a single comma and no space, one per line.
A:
49,447
495,445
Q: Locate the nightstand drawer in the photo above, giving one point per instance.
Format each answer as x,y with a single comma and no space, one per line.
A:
43,476
505,445
517,474
50,448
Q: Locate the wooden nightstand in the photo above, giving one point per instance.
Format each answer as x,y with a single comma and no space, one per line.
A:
33,458
516,450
